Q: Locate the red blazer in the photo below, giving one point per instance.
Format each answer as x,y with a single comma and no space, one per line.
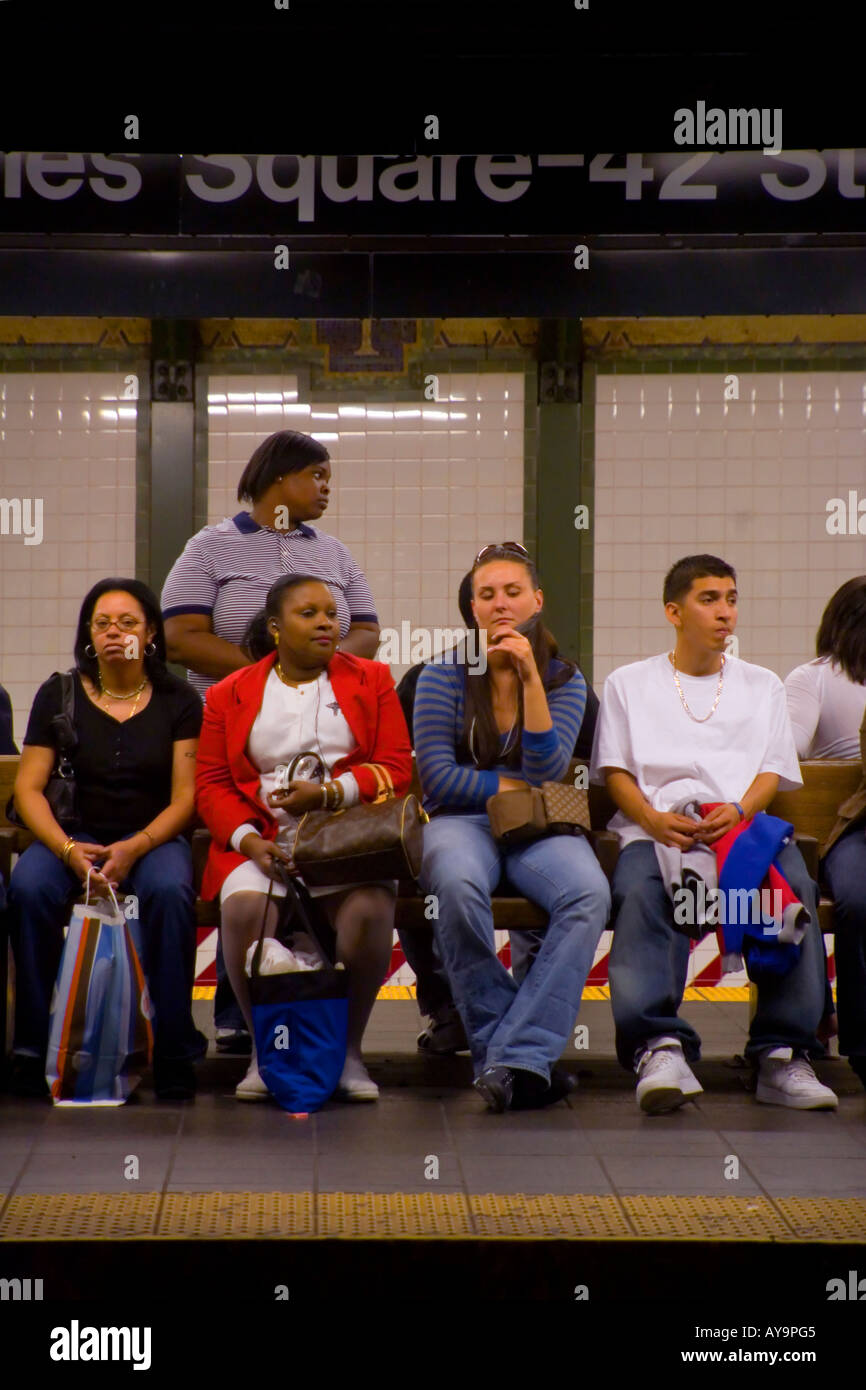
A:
227,783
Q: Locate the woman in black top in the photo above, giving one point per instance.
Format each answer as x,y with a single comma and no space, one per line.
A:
137,728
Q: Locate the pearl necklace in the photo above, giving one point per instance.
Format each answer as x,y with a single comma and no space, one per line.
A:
705,717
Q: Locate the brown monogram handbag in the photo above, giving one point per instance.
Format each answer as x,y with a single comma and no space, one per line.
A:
554,808
363,844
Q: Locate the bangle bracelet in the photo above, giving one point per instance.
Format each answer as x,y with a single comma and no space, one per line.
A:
324,796
66,850
740,809
150,837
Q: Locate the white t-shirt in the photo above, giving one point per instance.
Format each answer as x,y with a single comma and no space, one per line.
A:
643,728
826,710
292,720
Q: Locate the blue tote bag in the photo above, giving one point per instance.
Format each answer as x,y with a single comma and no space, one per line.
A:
300,1017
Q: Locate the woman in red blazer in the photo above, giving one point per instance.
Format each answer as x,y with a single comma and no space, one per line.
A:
305,697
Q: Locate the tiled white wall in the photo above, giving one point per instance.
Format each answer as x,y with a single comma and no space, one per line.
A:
679,470
417,489
69,438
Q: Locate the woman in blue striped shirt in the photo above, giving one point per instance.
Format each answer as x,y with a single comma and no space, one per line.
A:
478,733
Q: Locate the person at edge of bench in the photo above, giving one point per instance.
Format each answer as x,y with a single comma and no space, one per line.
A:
479,733
827,707
695,724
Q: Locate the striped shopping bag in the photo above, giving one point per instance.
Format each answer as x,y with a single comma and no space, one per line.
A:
100,1038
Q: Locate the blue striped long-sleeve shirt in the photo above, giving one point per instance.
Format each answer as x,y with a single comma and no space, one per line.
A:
438,723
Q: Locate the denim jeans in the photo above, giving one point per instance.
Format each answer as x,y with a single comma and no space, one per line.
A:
41,892
522,1025
432,989
649,960
844,870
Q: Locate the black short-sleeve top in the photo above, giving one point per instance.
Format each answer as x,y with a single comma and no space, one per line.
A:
122,771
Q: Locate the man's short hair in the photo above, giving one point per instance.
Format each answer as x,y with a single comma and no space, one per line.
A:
681,576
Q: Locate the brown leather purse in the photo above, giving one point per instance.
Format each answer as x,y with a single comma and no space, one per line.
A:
363,844
554,808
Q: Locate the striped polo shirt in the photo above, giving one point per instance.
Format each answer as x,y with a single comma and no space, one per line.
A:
226,570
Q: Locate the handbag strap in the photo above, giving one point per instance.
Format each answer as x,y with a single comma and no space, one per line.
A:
300,906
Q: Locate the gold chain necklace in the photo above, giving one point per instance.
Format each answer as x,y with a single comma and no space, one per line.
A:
705,717
294,684
133,695
110,693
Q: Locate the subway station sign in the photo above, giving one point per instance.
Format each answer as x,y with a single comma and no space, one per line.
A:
687,191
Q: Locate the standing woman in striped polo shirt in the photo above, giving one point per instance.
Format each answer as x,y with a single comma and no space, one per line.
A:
476,735
221,580
223,576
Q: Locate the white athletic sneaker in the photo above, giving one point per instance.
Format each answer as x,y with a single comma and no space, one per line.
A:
784,1079
355,1083
665,1080
252,1087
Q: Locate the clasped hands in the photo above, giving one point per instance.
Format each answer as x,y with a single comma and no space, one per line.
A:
672,829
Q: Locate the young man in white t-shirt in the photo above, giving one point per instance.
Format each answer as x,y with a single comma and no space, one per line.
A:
695,724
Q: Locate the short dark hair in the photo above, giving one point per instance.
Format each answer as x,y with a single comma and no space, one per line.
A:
681,576
154,663
287,451
277,592
842,633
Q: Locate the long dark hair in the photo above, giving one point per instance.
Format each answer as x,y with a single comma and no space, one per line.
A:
486,747
154,663
842,633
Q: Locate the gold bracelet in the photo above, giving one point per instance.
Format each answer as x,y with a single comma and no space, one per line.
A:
150,837
340,795
65,851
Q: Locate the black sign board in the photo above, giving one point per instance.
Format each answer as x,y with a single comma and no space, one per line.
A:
689,191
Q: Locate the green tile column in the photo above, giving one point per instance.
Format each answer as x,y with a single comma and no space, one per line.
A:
564,553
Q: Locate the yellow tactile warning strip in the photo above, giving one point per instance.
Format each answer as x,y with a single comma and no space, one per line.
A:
393,1214
413,1215
712,994
824,1218
707,1218
569,1218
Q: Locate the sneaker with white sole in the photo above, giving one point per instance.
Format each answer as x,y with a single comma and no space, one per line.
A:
355,1082
784,1079
665,1080
252,1087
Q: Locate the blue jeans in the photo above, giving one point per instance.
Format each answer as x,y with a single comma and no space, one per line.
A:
525,1025
41,891
844,870
649,960
432,989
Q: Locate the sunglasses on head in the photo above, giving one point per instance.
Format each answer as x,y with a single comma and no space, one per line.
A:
514,547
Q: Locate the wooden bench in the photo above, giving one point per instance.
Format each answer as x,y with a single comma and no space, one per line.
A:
811,809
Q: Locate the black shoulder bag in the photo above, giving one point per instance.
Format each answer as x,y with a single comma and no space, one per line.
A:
60,789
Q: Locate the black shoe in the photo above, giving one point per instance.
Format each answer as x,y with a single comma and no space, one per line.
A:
27,1078
531,1092
234,1041
496,1086
173,1081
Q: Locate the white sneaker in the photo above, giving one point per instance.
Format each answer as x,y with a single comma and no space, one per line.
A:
665,1080
784,1079
355,1083
252,1087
